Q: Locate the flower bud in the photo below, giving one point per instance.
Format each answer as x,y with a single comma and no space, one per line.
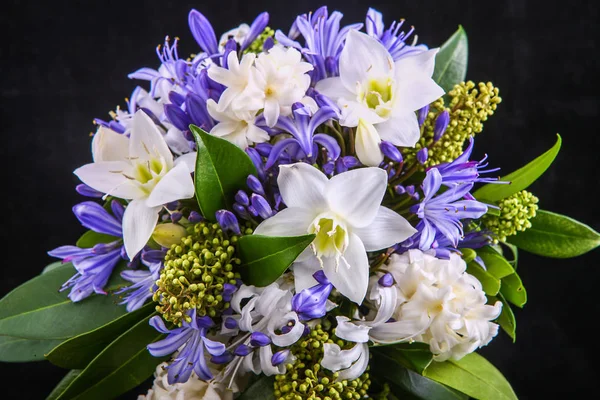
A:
261,205
390,151
168,234
228,221
441,123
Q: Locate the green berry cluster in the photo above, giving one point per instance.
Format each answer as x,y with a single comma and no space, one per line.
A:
306,379
469,106
194,273
515,214
257,45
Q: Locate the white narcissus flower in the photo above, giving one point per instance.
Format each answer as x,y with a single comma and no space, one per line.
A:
235,77
140,169
380,96
345,214
237,127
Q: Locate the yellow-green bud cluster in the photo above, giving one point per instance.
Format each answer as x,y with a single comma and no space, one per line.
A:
259,42
194,273
470,105
306,379
515,214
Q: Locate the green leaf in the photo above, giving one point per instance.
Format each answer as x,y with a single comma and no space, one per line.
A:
468,255
557,236
506,319
37,310
261,389
474,376
491,284
514,251
52,266
403,380
415,356
91,238
513,290
265,258
520,179
121,366
221,170
16,349
495,264
77,352
63,384
451,61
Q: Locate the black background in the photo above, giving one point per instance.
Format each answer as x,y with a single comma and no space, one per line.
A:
64,63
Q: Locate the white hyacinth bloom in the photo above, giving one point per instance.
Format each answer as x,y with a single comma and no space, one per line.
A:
237,127
235,78
380,96
140,169
345,214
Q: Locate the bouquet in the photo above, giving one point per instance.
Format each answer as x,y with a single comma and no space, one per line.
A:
292,215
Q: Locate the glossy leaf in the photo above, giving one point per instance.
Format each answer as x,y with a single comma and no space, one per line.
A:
221,170
474,376
495,264
16,349
513,259
260,389
451,61
415,356
265,258
63,384
121,366
506,319
77,352
468,255
557,236
91,238
491,284
520,179
513,290
37,310
52,266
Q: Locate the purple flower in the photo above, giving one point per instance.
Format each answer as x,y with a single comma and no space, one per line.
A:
256,28
443,212
143,280
228,221
311,303
191,341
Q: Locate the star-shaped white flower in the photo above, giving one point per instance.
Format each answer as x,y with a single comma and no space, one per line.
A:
140,169
345,214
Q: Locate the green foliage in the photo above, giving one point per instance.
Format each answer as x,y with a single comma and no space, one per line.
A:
495,263
506,320
260,389
513,290
451,61
415,356
63,384
17,349
221,170
490,284
91,238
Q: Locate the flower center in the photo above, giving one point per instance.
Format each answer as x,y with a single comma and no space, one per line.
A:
149,172
377,93
331,237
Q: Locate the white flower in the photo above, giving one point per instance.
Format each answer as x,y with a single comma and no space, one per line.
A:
350,364
237,127
238,34
279,79
380,96
140,169
235,77
345,214
437,303
192,389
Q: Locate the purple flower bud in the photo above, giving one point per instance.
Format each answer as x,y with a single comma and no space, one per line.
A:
390,151
241,211
441,123
416,196
255,185
386,280
410,190
117,209
242,350
172,206
228,221
399,189
176,98
279,357
422,155
194,217
176,216
321,278
423,114
242,198
87,191
311,303
261,205
268,44
328,167
228,288
264,149
222,359
256,158
259,339
252,211
306,331
230,323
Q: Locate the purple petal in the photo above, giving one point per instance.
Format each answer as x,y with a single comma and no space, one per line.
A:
258,26
203,32
94,217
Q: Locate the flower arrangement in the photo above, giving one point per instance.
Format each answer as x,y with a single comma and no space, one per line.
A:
292,215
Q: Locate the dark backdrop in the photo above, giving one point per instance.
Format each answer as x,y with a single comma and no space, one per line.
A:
64,63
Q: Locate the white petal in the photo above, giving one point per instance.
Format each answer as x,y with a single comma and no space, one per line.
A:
176,141
271,112
353,111
303,273
367,144
189,159
387,229
356,195
146,140
402,129
351,276
289,338
335,359
421,63
177,184
386,299
291,221
334,89
109,177
266,365
349,331
302,185
359,366
363,57
139,221
257,135
416,92
402,330
108,145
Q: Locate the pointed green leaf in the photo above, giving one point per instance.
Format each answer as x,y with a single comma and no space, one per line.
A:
265,258
520,179
221,170
261,389
415,356
491,284
557,236
495,264
91,238
451,60
513,258
506,319
52,266
474,376
513,290
16,349
77,352
37,310
121,366
63,384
